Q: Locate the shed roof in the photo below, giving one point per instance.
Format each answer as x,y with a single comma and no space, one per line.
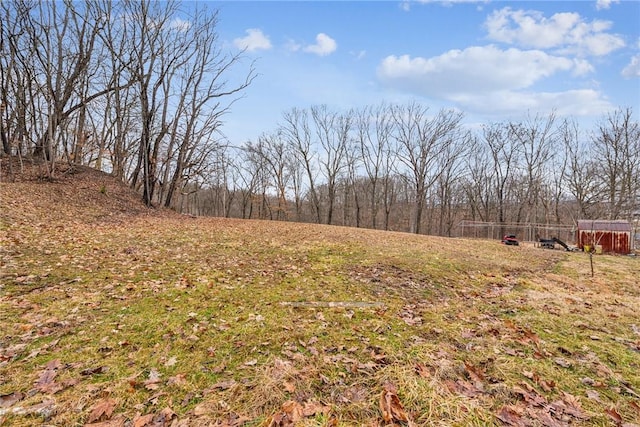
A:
603,225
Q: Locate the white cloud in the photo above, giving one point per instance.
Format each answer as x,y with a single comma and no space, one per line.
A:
475,69
293,46
255,40
582,102
633,68
605,4
489,78
451,2
566,32
406,4
324,46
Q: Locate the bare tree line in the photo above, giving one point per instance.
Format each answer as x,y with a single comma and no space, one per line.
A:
139,89
406,167
134,87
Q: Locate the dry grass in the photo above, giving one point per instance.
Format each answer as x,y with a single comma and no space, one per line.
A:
110,313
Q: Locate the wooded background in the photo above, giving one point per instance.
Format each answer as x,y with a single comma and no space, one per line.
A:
132,89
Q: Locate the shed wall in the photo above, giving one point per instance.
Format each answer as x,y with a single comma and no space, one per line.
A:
612,241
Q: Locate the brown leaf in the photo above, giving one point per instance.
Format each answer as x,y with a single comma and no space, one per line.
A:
476,375
573,406
510,416
7,400
53,365
531,336
545,418
177,380
117,421
291,413
94,371
422,370
462,387
614,415
560,407
312,408
529,395
46,383
153,382
231,420
164,418
593,395
391,407
102,410
560,361
142,420
223,385
289,386
293,410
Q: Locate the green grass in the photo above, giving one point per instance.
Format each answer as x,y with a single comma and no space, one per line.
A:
238,317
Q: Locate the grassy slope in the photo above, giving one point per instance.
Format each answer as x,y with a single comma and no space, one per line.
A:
109,312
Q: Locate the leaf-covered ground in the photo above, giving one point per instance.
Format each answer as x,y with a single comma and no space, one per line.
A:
113,315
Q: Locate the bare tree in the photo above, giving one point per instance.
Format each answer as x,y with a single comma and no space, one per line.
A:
421,140
579,173
59,38
478,183
273,151
503,163
296,132
332,130
617,147
535,139
449,182
374,129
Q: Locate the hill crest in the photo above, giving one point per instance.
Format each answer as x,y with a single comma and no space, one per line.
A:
76,192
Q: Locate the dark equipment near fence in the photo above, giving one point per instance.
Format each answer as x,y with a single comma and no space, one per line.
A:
551,244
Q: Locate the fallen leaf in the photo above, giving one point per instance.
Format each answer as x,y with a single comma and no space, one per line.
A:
143,420
391,407
94,371
177,380
164,417
7,400
593,395
101,410
562,362
117,421
290,414
171,362
422,370
510,416
313,408
462,387
223,385
614,415
476,375
289,386
46,383
529,395
153,382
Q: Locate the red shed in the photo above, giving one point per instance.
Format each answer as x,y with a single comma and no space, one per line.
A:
613,236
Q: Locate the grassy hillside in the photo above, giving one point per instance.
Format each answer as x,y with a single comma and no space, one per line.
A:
113,315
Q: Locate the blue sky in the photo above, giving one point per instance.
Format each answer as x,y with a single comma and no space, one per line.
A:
493,60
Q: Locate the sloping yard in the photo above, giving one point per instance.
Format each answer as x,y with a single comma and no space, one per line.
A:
112,315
